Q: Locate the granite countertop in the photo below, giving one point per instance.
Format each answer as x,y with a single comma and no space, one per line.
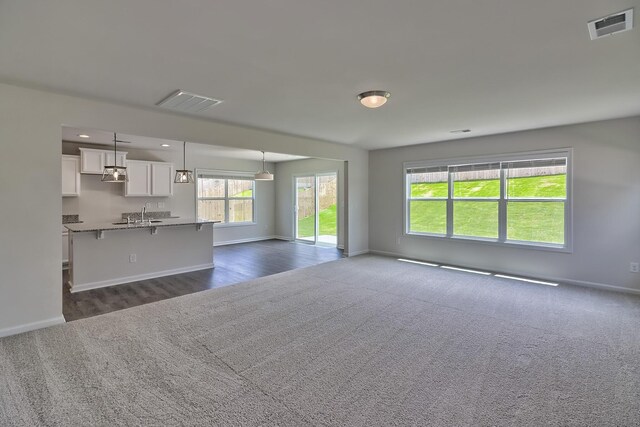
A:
82,227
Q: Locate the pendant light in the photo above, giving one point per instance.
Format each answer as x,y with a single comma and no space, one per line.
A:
184,176
264,174
115,173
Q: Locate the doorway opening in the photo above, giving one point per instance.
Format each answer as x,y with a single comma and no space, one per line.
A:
316,208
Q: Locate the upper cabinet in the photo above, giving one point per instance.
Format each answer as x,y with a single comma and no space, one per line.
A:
149,179
70,176
93,161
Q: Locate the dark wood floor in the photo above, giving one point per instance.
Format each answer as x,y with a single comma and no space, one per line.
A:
234,264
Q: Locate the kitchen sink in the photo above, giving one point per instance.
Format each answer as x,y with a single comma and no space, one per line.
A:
153,221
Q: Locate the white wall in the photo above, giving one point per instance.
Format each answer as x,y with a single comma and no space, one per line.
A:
284,173
30,185
100,202
606,204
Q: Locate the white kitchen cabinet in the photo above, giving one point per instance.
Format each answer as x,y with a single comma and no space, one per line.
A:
70,176
161,179
93,161
149,179
139,183
65,247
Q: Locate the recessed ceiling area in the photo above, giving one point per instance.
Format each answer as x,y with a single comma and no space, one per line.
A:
105,139
297,67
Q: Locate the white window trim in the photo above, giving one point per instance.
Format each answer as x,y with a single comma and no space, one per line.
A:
227,174
528,155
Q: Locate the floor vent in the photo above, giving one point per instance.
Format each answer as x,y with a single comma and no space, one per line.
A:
187,102
612,24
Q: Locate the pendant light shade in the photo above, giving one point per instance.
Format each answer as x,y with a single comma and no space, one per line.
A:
263,174
184,175
115,173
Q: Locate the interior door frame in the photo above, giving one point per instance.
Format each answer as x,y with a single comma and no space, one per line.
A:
315,176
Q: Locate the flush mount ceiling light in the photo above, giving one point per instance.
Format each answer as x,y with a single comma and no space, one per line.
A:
263,174
184,176
82,135
165,145
374,98
115,173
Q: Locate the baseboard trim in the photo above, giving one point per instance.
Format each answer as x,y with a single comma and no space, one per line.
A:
561,280
288,239
128,279
249,240
356,253
27,327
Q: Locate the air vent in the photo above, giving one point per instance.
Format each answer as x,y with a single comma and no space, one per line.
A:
612,24
187,102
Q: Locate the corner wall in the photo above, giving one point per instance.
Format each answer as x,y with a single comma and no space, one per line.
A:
606,205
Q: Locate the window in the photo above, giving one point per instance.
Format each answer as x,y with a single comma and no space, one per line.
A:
229,199
516,199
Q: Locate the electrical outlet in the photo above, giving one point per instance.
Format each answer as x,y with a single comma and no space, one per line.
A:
634,267
132,258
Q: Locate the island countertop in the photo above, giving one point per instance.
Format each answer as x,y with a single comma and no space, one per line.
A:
117,225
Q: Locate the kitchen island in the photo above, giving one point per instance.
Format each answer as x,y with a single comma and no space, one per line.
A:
107,254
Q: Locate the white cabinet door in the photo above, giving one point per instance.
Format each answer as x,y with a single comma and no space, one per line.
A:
121,158
161,179
92,161
65,248
70,176
139,183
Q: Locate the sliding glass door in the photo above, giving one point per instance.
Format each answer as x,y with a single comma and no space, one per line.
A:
305,208
316,213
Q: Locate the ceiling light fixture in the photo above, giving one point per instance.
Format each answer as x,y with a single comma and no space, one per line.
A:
115,173
184,176
82,135
165,145
263,174
374,98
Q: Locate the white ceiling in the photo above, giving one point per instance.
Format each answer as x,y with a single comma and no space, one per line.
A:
104,138
296,66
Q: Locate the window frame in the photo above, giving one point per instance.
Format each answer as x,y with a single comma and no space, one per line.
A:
227,175
503,200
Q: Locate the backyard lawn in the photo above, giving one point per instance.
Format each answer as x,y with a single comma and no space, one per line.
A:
327,222
528,221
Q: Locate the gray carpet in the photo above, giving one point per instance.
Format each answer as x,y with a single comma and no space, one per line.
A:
360,341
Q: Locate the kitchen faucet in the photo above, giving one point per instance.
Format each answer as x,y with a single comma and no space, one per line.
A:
144,209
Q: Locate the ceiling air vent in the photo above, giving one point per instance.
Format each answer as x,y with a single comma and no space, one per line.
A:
187,102
612,24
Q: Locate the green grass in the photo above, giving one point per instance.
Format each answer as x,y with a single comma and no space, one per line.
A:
535,186
245,193
327,222
528,221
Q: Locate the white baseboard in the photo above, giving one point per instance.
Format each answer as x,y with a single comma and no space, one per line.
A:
31,326
547,278
356,253
129,279
288,239
249,240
